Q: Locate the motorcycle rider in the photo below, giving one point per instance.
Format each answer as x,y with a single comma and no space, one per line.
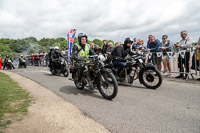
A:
79,52
119,53
21,58
55,56
51,49
6,62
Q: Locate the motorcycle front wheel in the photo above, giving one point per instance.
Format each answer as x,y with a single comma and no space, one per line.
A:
79,85
66,72
108,89
151,78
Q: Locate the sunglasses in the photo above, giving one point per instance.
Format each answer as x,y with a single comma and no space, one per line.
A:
163,38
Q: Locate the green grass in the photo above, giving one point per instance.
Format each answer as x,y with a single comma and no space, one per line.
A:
14,101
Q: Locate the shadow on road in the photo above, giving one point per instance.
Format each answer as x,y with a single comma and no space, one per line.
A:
132,85
85,92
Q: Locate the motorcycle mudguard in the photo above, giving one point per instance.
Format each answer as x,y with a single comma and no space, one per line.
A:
143,69
106,70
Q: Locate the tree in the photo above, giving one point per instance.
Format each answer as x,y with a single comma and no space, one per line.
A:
4,49
98,42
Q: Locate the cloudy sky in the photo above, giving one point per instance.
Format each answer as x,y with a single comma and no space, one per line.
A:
103,19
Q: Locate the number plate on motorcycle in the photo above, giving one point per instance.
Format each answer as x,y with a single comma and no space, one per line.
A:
140,60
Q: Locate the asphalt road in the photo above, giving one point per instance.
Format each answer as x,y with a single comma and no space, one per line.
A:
174,107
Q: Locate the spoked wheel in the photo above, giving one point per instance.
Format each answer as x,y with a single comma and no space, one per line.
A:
151,78
66,72
53,72
79,85
108,89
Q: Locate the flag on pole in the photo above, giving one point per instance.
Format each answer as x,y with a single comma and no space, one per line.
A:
70,40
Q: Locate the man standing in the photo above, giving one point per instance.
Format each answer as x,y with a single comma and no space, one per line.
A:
135,44
98,50
105,46
166,46
92,46
153,46
184,44
110,48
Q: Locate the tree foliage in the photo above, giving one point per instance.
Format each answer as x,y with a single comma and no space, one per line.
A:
31,45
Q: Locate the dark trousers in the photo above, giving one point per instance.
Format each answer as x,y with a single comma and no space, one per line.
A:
79,68
119,65
184,61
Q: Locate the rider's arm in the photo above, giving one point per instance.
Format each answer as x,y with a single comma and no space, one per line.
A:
91,52
75,53
61,55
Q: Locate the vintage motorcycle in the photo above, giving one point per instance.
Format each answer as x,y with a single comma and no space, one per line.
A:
134,69
60,66
98,77
9,65
22,64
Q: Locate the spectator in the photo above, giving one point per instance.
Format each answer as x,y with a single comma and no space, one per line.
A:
135,44
195,58
116,44
92,46
135,41
105,46
110,48
184,44
98,50
142,48
141,45
149,39
153,46
108,51
166,46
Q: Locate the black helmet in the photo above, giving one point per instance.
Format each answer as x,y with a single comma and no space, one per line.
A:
80,35
128,40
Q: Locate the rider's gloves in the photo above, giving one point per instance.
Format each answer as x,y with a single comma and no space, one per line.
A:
81,59
129,59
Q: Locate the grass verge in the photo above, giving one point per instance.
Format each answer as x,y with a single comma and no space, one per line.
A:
14,101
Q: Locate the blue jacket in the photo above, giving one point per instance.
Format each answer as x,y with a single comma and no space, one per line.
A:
154,46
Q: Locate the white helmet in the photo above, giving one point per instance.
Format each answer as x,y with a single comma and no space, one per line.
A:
101,57
21,55
56,47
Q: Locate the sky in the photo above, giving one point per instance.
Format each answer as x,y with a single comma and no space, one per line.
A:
102,19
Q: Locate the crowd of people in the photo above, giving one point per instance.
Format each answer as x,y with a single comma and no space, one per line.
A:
161,52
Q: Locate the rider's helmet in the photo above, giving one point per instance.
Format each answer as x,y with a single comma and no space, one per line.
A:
56,48
22,55
80,35
128,40
51,48
7,56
